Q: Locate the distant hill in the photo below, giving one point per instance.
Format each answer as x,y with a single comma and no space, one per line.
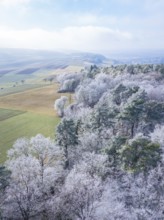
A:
25,61
31,59
136,57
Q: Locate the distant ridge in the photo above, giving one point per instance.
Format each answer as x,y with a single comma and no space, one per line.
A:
22,58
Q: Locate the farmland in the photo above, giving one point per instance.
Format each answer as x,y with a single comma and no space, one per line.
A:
28,109
37,100
8,113
28,91
24,125
12,90
26,114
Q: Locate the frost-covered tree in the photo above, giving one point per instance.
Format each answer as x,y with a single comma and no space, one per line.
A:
69,81
83,188
69,85
90,93
35,178
60,105
23,195
143,197
81,195
121,93
90,142
108,159
93,165
158,135
155,93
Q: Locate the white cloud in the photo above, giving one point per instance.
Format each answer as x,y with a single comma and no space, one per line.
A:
86,38
77,38
13,2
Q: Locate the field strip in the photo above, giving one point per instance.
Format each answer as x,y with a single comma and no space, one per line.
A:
9,113
25,125
9,93
39,100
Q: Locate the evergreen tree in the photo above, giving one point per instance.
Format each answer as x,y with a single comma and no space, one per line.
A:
133,111
4,182
113,151
66,136
140,155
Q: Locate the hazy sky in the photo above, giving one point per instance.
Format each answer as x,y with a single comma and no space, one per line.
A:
92,25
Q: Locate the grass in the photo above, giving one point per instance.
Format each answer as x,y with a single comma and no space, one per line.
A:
40,100
28,109
26,114
24,125
28,71
19,88
37,77
8,113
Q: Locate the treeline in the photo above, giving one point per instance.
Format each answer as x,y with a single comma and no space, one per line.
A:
107,161
69,82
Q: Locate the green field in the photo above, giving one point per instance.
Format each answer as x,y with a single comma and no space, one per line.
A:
18,89
23,125
8,113
28,108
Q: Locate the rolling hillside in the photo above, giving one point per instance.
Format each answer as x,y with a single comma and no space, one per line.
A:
27,99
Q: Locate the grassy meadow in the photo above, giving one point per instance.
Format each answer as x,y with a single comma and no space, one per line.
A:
37,100
24,125
28,109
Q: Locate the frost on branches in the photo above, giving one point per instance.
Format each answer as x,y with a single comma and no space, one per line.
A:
107,159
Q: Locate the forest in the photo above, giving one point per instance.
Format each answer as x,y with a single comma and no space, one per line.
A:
106,161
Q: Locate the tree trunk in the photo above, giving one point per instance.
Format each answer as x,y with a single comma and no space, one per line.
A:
132,130
66,156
